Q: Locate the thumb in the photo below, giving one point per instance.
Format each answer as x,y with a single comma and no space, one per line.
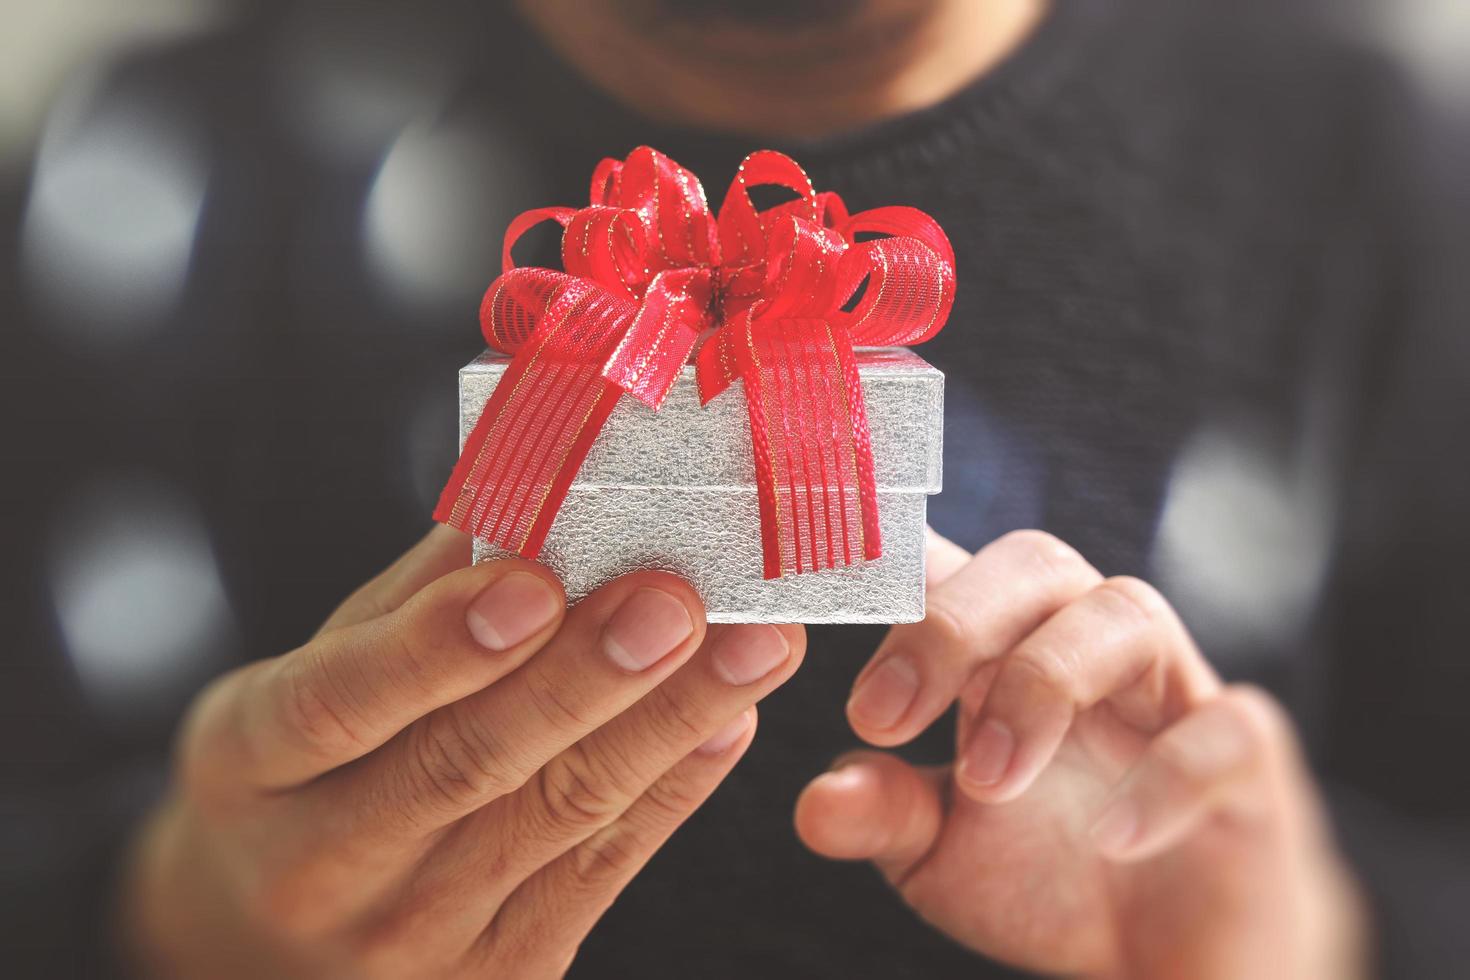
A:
873,806
441,551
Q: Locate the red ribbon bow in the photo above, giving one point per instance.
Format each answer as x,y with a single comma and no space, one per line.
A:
648,271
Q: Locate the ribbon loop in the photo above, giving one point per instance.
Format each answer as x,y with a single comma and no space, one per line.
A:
524,223
802,274
671,203
648,271
606,245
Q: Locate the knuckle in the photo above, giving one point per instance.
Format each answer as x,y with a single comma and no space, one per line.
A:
418,658
670,800
316,711
1028,540
605,858
1047,665
555,704
1237,731
574,796
1259,716
672,720
1129,598
454,760
1043,552
948,627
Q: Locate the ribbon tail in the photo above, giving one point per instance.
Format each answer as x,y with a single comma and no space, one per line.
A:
536,428
813,454
718,362
524,451
851,388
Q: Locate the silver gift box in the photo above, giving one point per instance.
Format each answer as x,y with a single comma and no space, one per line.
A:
675,490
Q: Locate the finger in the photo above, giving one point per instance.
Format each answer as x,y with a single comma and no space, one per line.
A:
975,615
612,649
876,807
347,692
1120,636
942,557
540,926
1218,757
441,551
591,783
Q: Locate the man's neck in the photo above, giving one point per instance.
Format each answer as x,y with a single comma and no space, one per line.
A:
885,58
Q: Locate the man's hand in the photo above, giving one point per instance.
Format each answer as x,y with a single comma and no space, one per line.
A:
1114,810
455,777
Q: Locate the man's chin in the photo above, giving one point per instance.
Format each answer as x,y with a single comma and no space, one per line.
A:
762,12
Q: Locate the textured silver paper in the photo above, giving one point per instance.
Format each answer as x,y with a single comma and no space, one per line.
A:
675,490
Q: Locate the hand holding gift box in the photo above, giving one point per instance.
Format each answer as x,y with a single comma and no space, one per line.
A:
649,274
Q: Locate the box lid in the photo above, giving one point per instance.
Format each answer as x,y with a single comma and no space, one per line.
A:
686,445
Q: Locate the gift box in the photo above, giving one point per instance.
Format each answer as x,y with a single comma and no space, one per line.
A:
725,396
676,490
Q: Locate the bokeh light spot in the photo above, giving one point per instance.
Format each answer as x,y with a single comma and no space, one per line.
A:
137,592
1243,542
434,218
110,225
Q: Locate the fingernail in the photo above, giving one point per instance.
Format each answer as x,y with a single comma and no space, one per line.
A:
988,755
883,697
744,654
727,736
1117,827
513,609
645,629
